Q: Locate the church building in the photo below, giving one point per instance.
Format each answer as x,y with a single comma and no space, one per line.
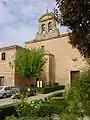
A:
63,61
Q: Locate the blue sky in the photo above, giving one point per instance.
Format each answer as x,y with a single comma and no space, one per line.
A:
19,20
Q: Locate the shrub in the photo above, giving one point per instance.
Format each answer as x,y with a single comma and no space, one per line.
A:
77,98
46,110
59,104
11,118
36,110
56,94
7,110
26,118
48,89
56,84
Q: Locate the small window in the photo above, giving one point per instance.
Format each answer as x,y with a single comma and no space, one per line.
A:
49,26
2,81
8,88
43,28
3,56
42,48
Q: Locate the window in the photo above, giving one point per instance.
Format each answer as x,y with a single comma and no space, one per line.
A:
2,81
43,28
7,88
42,48
3,56
49,26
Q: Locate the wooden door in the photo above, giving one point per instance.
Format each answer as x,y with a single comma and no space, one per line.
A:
73,74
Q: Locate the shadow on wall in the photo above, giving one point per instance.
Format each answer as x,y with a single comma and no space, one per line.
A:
43,78
49,78
52,68
23,81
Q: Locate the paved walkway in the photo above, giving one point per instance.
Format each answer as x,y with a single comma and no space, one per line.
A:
42,96
36,97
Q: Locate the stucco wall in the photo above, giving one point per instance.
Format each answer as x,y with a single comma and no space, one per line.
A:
5,69
51,69
63,54
11,78
45,74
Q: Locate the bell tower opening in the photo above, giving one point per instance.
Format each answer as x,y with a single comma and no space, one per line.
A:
47,27
43,28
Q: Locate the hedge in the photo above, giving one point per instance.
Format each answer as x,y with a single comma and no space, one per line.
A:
7,110
48,89
57,94
37,109
26,118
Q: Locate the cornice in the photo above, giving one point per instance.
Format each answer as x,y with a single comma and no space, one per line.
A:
35,41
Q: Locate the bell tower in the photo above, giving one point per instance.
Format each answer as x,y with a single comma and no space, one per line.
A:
47,27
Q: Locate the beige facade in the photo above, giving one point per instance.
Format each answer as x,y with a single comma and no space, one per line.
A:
62,58
8,76
63,61
6,72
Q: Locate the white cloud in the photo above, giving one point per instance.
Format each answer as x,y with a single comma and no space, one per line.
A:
19,19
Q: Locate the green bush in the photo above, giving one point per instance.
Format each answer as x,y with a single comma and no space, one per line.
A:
46,110
59,103
52,88
55,84
36,110
11,118
7,110
56,94
26,118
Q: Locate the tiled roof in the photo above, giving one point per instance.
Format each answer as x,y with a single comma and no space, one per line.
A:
10,47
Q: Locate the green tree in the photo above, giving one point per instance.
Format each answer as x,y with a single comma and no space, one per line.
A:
29,63
75,14
78,98
82,84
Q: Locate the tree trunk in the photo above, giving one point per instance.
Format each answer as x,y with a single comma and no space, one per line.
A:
29,80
